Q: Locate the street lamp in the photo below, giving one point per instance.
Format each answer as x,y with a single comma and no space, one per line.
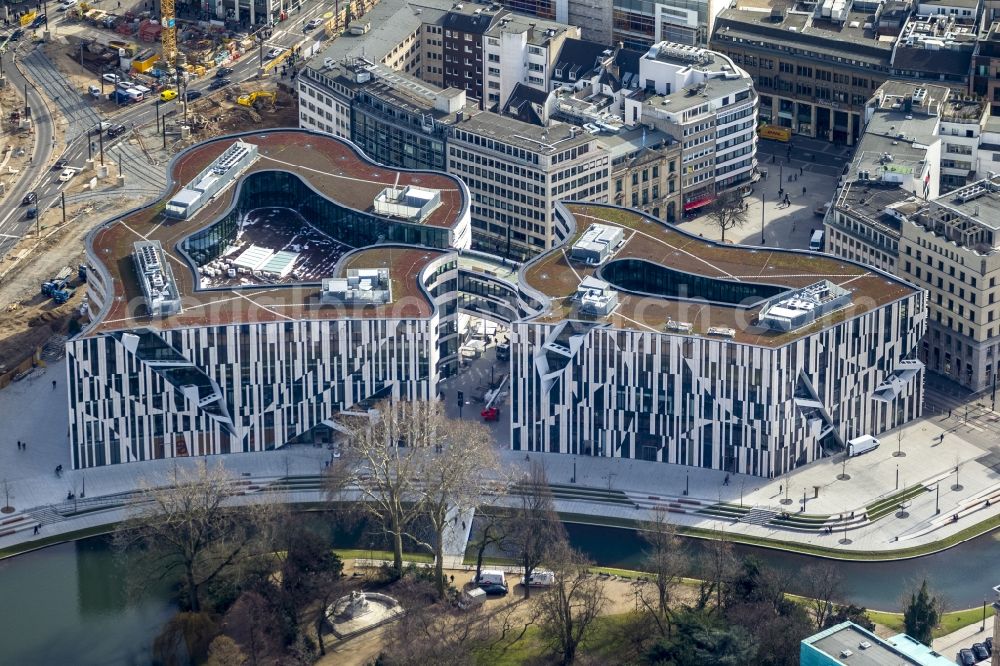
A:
573,480
687,483
763,197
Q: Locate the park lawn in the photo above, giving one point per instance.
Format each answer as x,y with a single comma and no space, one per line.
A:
364,554
605,644
949,622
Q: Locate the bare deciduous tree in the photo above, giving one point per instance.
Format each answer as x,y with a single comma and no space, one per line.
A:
382,462
727,212
824,589
665,559
452,479
493,532
5,487
568,609
194,530
535,529
719,565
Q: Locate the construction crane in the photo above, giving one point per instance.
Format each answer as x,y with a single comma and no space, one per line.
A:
168,38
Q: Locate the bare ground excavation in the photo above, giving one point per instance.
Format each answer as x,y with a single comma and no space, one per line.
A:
27,318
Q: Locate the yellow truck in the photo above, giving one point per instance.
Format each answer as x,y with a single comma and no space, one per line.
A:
775,133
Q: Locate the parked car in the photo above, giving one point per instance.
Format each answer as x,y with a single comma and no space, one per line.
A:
117,130
989,644
219,83
66,175
966,658
29,199
192,95
503,351
112,78
223,72
980,652
66,4
313,23
493,588
168,95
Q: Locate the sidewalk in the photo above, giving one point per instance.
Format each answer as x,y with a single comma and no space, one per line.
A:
41,421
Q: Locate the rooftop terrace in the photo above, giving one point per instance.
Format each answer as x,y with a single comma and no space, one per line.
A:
747,269
330,166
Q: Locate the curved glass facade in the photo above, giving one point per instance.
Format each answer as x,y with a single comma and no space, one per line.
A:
649,278
282,189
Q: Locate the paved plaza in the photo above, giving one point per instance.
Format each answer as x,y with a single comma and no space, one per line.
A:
35,413
816,167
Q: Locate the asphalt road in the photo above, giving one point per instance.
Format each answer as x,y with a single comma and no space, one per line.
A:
13,221
80,117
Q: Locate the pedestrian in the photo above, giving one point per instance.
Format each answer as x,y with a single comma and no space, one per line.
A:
803,190
852,515
18,445
53,385
779,488
800,171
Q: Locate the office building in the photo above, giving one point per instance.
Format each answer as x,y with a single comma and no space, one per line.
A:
516,172
693,366
708,103
816,65
207,373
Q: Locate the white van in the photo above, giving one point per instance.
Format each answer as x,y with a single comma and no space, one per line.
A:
134,95
540,579
492,577
863,444
816,242
94,91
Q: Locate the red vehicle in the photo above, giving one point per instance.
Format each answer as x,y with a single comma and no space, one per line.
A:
490,414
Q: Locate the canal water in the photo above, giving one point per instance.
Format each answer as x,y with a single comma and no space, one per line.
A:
69,604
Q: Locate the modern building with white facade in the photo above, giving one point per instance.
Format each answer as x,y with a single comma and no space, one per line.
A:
708,103
721,357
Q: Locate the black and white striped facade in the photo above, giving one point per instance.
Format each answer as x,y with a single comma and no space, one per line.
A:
236,388
711,403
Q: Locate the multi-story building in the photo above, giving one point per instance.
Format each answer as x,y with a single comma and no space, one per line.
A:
523,50
593,18
516,172
645,172
709,105
463,28
647,353
891,213
355,289
395,118
951,247
986,65
217,374
816,68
